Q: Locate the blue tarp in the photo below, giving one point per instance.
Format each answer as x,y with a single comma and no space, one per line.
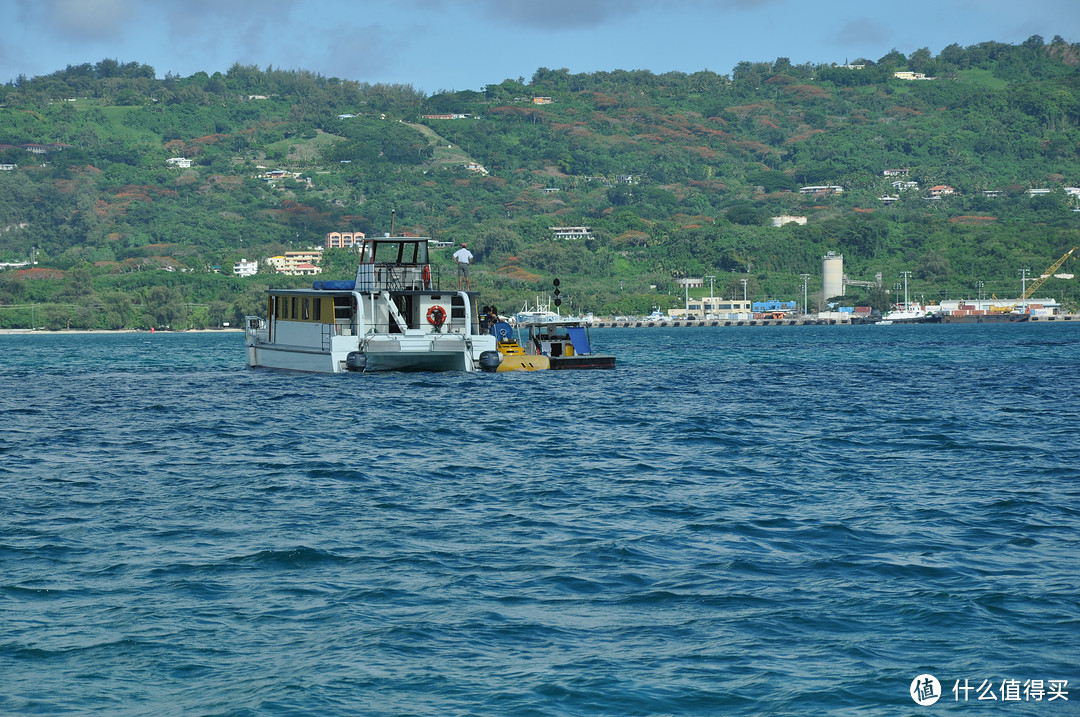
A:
579,339
501,331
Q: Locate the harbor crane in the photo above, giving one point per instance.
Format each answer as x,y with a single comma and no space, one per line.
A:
1034,286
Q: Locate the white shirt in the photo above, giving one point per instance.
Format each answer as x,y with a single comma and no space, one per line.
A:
463,256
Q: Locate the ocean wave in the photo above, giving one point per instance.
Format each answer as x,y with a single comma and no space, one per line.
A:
731,522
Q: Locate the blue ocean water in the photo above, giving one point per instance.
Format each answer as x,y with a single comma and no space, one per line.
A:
735,521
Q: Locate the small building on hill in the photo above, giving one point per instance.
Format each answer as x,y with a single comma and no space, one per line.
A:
344,240
245,268
572,232
785,219
296,263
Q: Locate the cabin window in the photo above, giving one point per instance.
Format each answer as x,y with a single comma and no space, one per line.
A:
292,310
306,309
318,309
343,308
457,307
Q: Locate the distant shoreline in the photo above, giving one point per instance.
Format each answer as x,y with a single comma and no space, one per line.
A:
665,323
47,332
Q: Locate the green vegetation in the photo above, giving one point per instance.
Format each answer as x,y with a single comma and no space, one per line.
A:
676,175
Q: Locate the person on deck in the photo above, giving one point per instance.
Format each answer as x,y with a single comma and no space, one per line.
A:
464,258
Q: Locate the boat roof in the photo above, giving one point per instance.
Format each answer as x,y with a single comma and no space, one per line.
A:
553,322
394,250
348,292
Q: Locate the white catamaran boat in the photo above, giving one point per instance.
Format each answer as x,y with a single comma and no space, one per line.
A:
391,318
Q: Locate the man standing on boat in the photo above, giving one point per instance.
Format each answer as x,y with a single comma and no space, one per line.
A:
464,258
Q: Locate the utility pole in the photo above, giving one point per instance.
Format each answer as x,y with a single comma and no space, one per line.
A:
743,290
979,286
1023,285
905,274
805,277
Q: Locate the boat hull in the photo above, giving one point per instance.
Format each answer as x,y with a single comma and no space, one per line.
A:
294,359
419,362
928,319
423,352
582,361
524,362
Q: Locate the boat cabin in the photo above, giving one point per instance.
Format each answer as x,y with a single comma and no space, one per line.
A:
340,313
559,339
566,343
394,264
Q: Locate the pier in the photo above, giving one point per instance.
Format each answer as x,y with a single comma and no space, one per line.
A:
670,323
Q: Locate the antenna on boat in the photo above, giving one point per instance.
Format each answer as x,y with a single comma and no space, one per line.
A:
392,213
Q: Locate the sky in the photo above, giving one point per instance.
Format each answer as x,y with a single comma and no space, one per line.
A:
436,45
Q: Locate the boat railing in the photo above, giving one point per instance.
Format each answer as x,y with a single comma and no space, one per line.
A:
393,277
256,328
383,312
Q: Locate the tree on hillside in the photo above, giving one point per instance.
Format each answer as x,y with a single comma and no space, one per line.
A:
745,213
119,311
893,60
163,307
77,288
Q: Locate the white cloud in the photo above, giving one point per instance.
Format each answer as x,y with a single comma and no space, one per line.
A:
862,32
88,20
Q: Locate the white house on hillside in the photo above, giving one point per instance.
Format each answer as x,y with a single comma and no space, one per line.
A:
245,268
786,219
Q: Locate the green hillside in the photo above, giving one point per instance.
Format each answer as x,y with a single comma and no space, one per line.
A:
675,175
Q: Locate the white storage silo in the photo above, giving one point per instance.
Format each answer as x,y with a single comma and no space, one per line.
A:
832,275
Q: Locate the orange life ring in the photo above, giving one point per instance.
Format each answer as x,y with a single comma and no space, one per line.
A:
436,316
425,274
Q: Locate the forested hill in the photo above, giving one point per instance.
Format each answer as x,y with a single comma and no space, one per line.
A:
674,175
